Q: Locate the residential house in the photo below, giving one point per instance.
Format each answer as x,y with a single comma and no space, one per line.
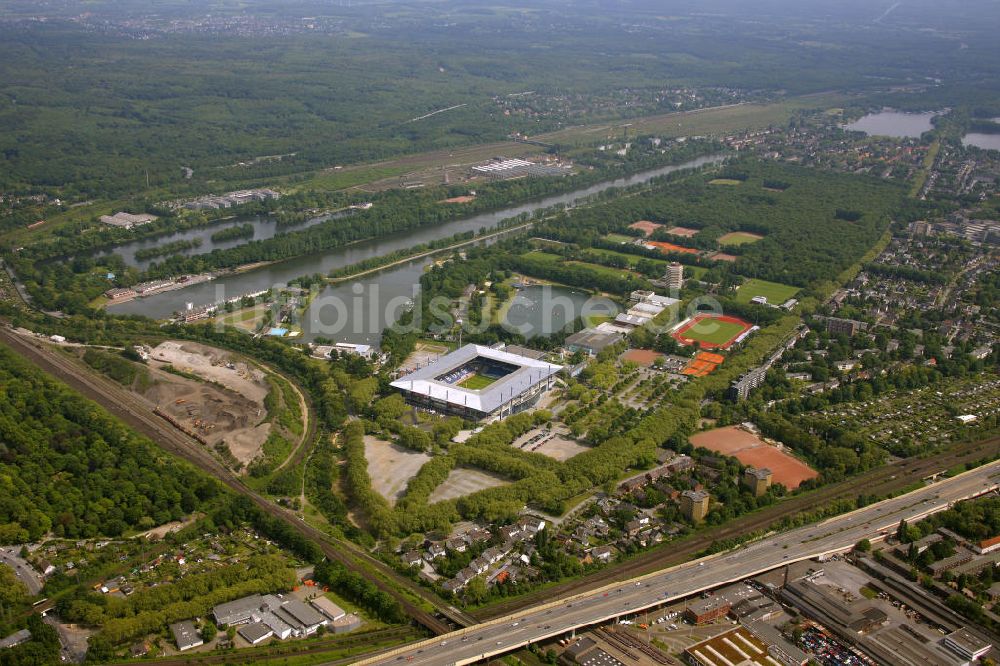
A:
603,554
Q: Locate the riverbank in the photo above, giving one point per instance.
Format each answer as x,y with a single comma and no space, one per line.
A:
276,274
428,253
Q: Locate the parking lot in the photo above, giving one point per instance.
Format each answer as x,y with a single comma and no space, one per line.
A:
556,443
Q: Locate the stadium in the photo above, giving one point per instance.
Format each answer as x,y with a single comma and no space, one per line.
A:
478,383
713,331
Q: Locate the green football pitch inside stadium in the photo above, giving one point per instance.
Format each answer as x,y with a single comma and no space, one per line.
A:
476,382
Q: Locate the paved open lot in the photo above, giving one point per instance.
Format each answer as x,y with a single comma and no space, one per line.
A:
556,443
391,467
462,482
423,354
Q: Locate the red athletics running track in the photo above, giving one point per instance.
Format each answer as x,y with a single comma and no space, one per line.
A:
684,340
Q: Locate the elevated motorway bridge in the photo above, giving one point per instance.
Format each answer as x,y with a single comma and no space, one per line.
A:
564,616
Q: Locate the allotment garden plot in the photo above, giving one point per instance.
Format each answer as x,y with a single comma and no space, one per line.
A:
908,422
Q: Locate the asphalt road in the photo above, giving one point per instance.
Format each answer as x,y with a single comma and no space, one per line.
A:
563,616
25,573
884,481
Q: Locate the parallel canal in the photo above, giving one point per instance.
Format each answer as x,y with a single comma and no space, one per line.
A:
263,229
373,301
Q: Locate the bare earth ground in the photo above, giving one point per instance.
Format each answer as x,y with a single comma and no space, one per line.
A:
462,482
211,365
559,445
643,357
391,467
423,354
230,412
750,450
173,526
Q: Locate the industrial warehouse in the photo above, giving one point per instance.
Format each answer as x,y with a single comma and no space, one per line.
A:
478,383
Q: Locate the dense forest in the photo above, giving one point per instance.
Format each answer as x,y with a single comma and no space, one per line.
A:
804,241
69,468
151,94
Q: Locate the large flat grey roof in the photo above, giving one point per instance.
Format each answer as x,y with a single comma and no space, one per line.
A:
593,339
235,611
255,632
529,373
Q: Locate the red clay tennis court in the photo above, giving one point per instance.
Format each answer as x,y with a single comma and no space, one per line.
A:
703,364
711,332
698,368
752,451
670,247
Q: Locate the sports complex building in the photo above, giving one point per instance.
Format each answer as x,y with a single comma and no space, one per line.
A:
478,383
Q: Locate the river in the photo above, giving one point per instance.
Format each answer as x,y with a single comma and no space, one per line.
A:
396,284
263,228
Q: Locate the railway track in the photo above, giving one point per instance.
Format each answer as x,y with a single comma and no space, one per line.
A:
626,642
266,655
138,413
883,481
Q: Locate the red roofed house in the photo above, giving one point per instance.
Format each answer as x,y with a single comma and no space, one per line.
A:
987,546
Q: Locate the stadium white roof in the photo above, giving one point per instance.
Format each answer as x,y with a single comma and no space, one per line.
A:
529,373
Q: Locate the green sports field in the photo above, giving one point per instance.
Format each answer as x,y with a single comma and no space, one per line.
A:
476,382
739,238
689,271
713,331
540,255
775,292
616,273
619,238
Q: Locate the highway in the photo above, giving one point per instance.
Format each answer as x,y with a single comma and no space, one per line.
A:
24,571
561,617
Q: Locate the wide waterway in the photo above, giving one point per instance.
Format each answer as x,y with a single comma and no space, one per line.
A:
399,282
263,228
983,140
894,124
